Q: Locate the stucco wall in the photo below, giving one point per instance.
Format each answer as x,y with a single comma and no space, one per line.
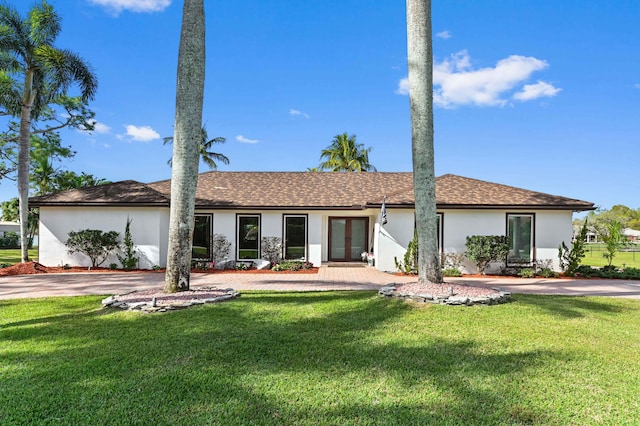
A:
150,231
224,222
551,228
393,238
148,226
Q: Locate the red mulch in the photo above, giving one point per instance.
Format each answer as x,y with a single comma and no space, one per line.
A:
37,268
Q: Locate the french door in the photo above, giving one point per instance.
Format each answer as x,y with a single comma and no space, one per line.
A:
348,238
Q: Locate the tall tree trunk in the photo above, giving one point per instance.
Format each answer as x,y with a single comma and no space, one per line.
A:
24,163
186,143
420,64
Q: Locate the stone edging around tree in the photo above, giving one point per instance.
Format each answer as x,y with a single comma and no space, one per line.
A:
165,303
447,299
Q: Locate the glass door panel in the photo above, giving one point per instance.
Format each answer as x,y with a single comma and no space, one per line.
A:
338,239
347,238
358,238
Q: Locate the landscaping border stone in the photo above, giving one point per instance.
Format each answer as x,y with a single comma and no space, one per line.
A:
446,299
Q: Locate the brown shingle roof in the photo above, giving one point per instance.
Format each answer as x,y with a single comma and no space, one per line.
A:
124,193
321,190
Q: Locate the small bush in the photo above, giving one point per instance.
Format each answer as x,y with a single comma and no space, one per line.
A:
631,273
129,259
243,266
453,260
451,272
547,273
113,266
584,271
5,265
570,259
292,265
201,265
94,243
410,263
271,249
526,273
10,240
485,249
220,247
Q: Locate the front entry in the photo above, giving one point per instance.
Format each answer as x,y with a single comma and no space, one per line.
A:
347,238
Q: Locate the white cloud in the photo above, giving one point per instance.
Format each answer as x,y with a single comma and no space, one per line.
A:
101,128
637,86
403,87
297,113
535,91
443,34
456,82
144,6
142,134
242,139
97,128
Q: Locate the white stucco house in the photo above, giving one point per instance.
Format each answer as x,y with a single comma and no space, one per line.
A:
321,217
8,226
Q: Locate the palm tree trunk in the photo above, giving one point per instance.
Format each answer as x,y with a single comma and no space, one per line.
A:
420,63
186,143
23,164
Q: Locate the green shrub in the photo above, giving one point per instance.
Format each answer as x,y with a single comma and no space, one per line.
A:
609,271
243,266
271,248
584,271
547,273
10,240
570,259
410,263
94,243
201,265
451,272
484,249
129,259
631,273
292,265
113,266
220,247
526,273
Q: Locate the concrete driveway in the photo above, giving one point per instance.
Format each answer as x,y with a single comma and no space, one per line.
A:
327,278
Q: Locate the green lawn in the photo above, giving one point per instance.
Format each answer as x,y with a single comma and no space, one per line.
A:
336,358
13,255
594,257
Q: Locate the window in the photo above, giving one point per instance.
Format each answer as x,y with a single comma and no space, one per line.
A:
201,249
249,237
520,232
439,225
295,237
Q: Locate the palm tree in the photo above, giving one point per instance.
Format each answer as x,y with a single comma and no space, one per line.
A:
35,74
186,143
345,155
420,62
209,157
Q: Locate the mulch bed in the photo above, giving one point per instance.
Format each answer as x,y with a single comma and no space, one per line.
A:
37,268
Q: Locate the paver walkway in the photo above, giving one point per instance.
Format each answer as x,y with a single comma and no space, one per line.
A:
327,278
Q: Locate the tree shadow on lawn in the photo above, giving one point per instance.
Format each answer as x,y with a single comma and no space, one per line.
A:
572,306
329,359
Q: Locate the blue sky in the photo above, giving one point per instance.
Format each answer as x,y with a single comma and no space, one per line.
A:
539,94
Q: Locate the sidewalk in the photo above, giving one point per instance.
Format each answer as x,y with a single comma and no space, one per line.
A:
327,278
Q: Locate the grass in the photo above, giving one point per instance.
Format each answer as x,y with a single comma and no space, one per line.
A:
336,358
13,255
594,257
